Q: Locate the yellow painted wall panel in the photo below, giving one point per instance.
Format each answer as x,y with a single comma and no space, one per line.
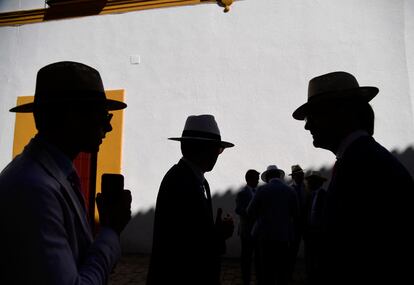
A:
24,127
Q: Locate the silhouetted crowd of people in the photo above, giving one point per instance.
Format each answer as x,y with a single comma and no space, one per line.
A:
356,231
274,219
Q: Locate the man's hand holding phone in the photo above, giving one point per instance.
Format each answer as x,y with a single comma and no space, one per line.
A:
114,202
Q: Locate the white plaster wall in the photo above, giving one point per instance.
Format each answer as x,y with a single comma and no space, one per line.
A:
409,37
250,68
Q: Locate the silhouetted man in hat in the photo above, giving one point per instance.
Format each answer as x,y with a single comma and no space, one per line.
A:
187,244
298,184
247,242
273,208
313,228
264,176
368,214
46,238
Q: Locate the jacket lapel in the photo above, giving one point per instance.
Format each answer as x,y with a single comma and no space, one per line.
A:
198,186
209,202
43,157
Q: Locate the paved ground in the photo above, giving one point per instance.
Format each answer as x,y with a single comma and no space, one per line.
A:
132,270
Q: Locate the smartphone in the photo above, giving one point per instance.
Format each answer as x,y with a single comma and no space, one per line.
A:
112,184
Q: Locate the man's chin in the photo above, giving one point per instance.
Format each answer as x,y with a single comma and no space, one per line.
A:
321,144
209,168
317,143
91,149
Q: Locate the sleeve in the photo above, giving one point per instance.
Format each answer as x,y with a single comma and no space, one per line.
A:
294,205
241,205
50,251
101,258
254,206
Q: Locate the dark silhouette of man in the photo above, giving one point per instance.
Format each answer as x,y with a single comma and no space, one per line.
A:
368,213
46,238
313,229
187,244
243,199
298,184
273,208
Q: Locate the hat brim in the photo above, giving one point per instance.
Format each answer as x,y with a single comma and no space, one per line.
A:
221,143
111,105
316,177
365,93
264,174
299,171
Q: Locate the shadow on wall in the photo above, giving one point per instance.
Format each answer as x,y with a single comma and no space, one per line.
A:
59,9
137,237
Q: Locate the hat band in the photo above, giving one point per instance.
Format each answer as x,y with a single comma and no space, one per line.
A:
201,134
69,95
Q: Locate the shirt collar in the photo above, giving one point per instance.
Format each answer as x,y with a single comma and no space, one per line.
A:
296,184
197,171
250,188
276,179
348,140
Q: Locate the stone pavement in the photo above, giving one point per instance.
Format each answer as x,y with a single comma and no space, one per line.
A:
132,270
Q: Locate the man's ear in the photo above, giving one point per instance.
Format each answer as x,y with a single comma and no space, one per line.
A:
39,119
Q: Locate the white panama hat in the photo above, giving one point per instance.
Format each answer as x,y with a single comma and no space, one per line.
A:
202,128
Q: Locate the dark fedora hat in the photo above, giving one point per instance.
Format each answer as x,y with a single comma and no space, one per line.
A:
202,128
332,87
296,169
67,84
315,175
271,168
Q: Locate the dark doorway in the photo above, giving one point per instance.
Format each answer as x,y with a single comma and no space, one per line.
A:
85,164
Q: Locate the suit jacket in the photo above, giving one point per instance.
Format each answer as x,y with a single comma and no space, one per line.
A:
302,200
316,207
186,246
243,199
368,218
274,208
45,236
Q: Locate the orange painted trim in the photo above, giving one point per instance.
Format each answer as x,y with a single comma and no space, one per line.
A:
24,127
87,8
109,158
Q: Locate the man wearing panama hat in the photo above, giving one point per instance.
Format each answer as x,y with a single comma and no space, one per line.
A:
298,185
367,217
312,232
271,168
273,208
46,238
187,244
247,243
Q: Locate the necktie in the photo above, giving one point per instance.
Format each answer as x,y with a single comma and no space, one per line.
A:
74,181
208,196
206,190
315,207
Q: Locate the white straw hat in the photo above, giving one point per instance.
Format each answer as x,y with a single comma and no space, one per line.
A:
202,128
